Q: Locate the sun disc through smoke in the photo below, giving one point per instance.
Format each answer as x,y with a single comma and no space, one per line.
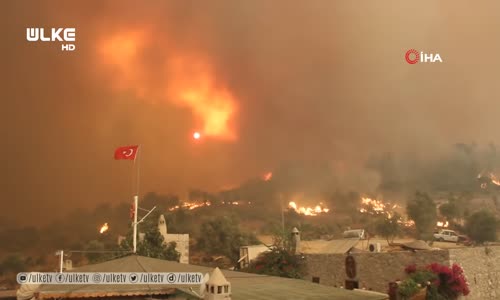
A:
196,135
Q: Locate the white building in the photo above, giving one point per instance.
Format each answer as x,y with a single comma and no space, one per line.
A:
182,240
249,253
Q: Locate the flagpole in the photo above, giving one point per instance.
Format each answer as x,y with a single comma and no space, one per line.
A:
138,169
136,200
136,197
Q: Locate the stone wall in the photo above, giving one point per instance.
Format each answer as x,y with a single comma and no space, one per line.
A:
374,270
482,268
182,245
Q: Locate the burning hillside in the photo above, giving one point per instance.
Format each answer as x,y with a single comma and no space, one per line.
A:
308,211
195,205
314,210
487,178
377,207
190,205
387,209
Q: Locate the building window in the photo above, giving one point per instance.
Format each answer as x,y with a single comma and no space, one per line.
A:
207,287
212,290
226,289
219,290
315,279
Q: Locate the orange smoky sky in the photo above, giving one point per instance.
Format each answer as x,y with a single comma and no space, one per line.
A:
264,82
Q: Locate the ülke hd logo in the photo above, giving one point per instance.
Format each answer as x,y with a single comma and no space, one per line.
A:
56,34
412,57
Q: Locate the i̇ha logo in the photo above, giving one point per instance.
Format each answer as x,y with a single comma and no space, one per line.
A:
56,34
412,57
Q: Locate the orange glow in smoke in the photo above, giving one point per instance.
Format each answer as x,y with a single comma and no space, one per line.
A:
193,85
120,54
183,78
268,176
196,135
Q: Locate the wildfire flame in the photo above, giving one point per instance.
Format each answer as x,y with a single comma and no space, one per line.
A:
409,223
442,224
373,206
104,228
494,179
308,211
268,176
189,78
378,207
491,176
190,205
194,205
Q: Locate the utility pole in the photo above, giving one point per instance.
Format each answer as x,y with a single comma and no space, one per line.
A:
136,197
136,202
282,213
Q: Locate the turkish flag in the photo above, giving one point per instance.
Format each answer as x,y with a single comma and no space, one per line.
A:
127,152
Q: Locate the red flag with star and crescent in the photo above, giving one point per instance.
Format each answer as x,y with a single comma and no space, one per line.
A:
126,152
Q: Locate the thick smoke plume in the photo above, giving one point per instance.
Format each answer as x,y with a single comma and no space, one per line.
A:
320,82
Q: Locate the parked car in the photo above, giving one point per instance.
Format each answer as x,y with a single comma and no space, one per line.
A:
465,240
446,235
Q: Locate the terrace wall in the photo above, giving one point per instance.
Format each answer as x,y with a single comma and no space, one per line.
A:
481,266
